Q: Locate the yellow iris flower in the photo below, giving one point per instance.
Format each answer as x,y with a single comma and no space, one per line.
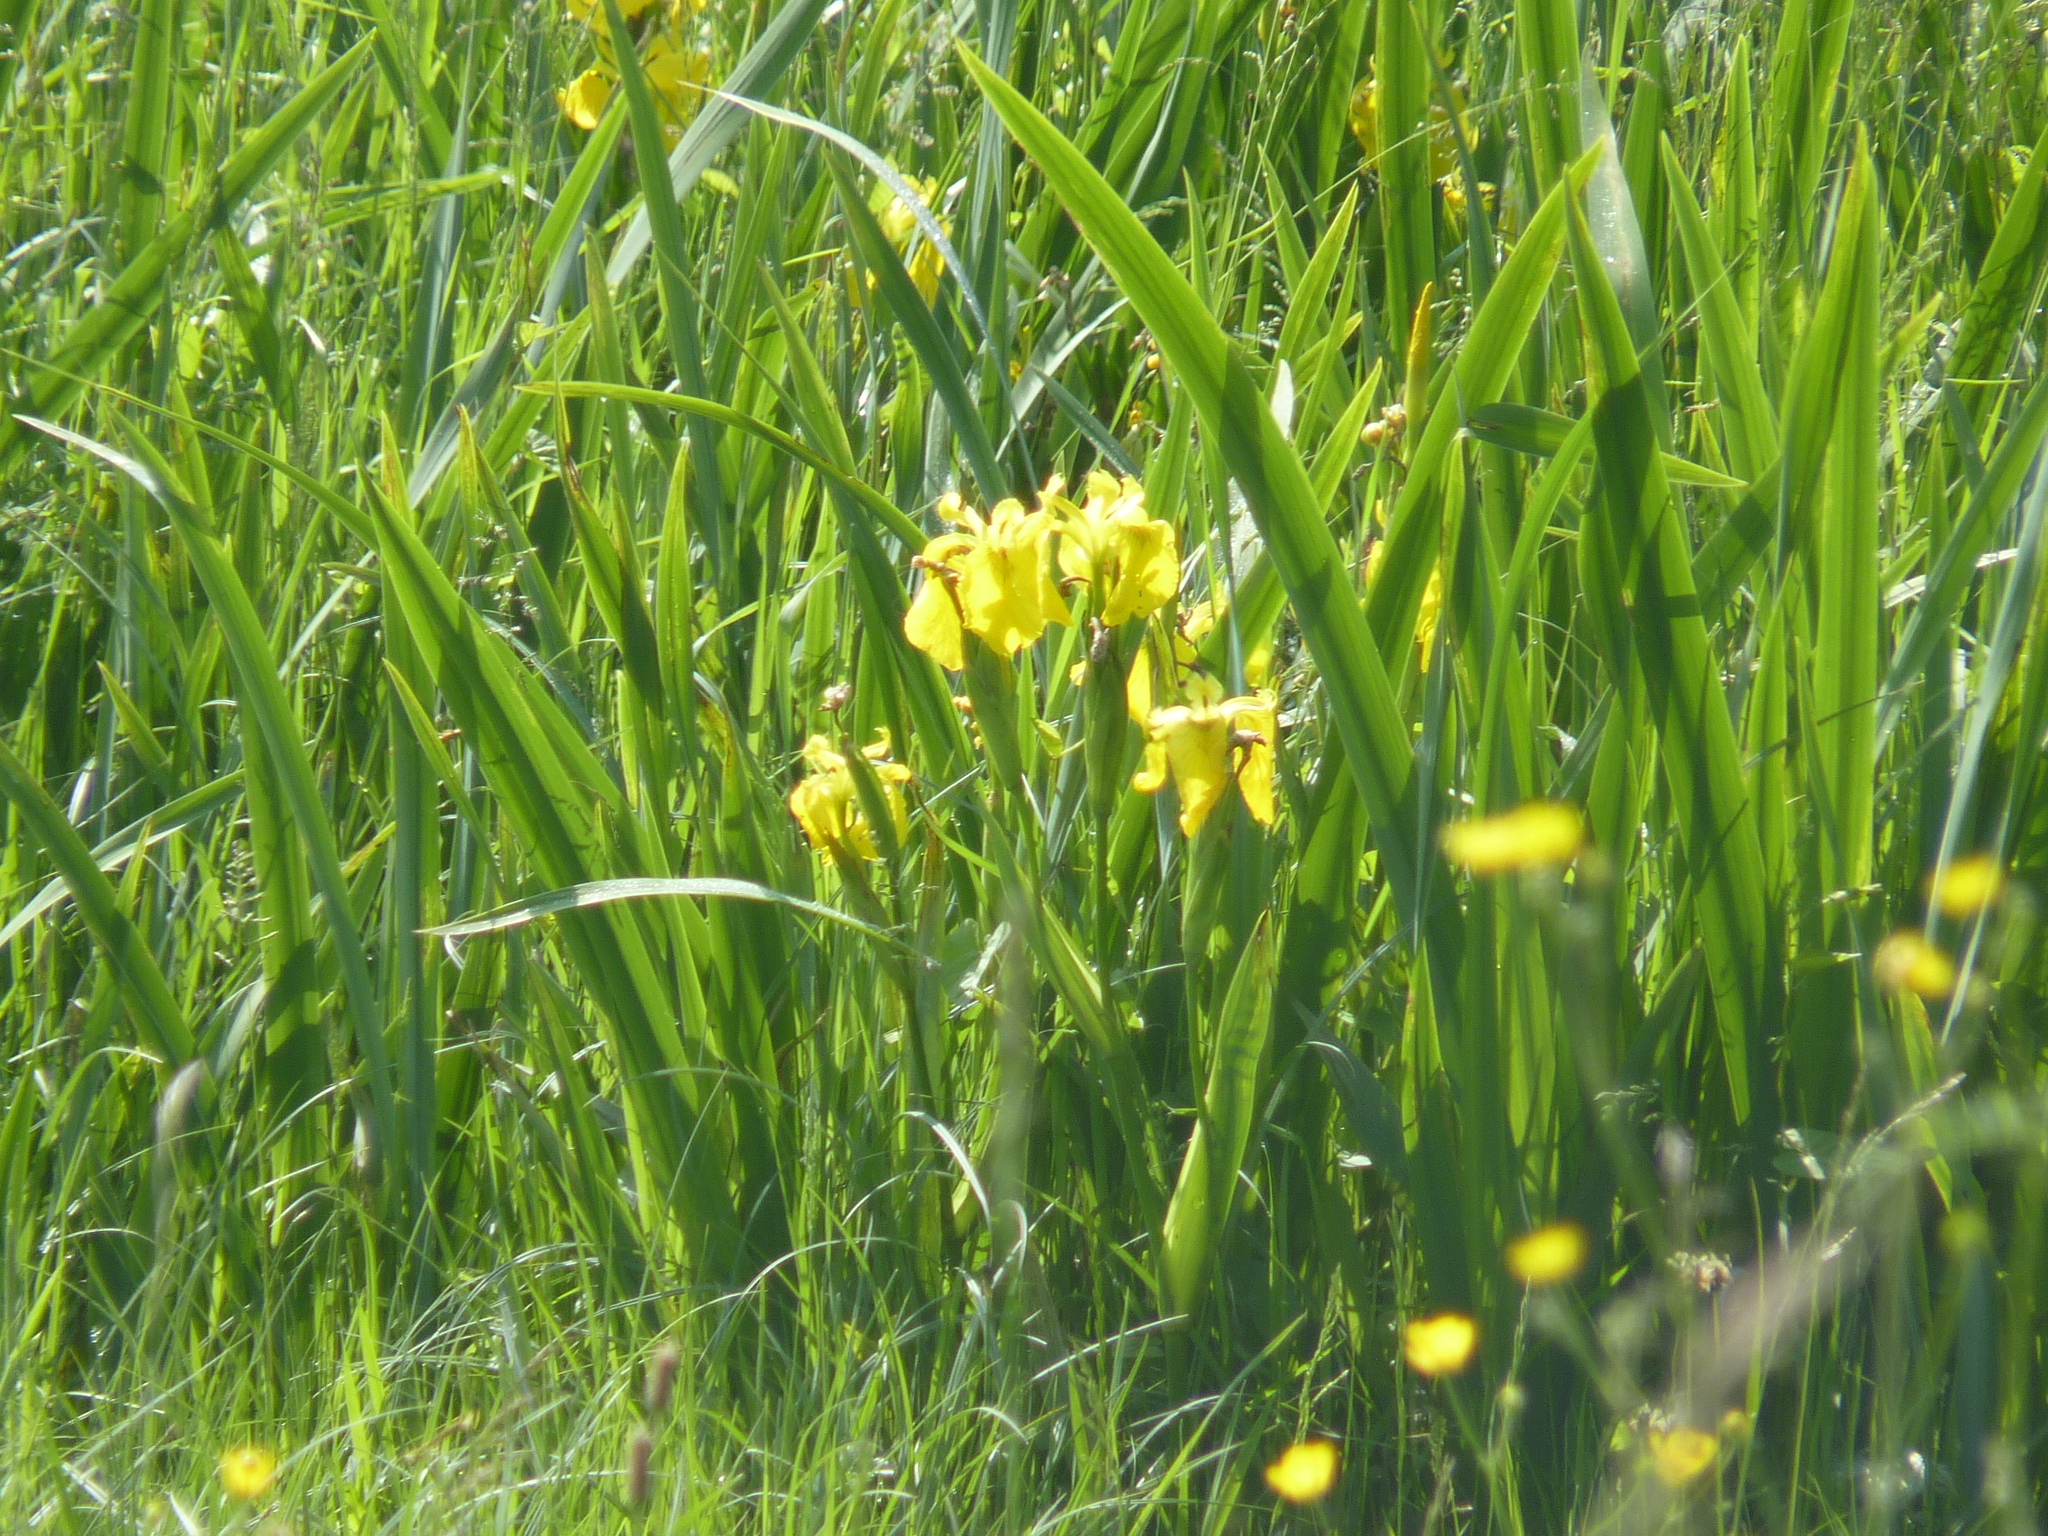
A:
1363,118
676,75
1207,744
988,579
1131,561
827,804
925,265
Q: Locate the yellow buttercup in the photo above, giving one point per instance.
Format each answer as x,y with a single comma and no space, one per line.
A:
1537,834
1442,1345
1305,1472
248,1472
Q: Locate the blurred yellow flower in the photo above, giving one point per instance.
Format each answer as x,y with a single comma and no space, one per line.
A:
1735,1425
899,224
1441,1345
1132,561
1967,886
1906,962
988,579
1534,835
1427,611
1208,743
827,804
677,77
584,100
1363,117
1549,1255
592,11
1426,615
248,1472
1305,1472
1678,1456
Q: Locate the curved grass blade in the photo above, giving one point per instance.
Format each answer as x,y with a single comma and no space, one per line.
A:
147,994
598,893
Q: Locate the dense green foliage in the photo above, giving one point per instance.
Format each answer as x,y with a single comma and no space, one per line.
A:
426,562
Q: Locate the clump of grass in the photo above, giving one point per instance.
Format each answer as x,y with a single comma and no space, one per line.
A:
1159,766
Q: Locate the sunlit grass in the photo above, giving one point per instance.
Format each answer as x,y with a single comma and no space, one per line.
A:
1177,767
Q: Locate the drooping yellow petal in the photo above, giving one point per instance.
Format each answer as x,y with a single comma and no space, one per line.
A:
1006,597
1151,775
584,100
1549,1255
1680,1455
1138,687
1255,725
927,266
1534,835
932,624
1906,962
1441,1345
1147,572
1197,742
998,601
1967,886
677,77
1304,1473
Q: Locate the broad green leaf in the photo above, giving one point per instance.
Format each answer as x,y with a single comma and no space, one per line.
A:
1727,332
1479,372
1205,1193
1845,623
147,994
1696,738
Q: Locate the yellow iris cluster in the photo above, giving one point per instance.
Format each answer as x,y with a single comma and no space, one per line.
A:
677,71
989,576
827,802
